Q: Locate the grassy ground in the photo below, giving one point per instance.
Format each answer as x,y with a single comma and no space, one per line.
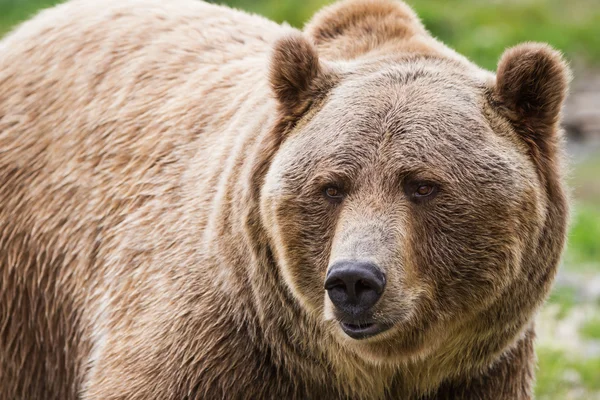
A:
569,326
568,345
15,11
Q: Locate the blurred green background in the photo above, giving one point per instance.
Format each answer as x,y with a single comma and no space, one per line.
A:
569,326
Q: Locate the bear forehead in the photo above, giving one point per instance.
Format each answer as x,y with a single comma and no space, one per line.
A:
397,96
421,114
385,124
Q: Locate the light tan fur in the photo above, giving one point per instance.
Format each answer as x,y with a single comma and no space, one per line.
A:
162,229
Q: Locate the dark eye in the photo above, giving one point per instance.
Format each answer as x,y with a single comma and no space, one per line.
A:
424,191
421,191
333,194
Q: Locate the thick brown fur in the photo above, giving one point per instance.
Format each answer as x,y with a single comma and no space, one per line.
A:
163,229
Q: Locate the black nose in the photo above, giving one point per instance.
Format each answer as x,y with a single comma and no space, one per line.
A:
354,287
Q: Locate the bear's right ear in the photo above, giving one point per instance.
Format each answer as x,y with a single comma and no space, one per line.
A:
297,77
531,86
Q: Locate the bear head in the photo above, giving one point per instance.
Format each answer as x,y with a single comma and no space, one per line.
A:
413,202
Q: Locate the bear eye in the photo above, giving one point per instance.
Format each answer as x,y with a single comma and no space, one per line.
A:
333,194
424,190
421,191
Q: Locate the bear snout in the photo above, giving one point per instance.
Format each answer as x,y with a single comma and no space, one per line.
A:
354,287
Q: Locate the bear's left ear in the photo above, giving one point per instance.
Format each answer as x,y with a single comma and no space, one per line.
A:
297,77
531,86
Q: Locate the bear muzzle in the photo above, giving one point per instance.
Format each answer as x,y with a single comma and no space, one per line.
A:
354,287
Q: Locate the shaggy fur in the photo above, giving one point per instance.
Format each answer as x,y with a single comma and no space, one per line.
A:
163,229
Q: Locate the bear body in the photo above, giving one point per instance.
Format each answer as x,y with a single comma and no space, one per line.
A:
177,179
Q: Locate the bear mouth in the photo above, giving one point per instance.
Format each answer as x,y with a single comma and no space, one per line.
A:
363,330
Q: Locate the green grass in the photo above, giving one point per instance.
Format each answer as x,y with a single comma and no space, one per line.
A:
589,370
550,374
584,180
583,246
562,375
14,11
565,298
483,29
591,329
559,374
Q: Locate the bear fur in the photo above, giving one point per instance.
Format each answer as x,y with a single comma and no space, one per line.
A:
163,230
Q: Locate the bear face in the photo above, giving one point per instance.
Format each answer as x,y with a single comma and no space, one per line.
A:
410,191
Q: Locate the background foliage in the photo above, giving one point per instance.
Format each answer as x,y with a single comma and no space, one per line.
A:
478,29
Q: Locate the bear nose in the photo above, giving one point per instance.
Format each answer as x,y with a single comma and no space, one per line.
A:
354,286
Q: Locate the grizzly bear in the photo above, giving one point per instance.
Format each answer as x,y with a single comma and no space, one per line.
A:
198,203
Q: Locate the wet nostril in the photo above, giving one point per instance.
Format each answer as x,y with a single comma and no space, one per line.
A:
372,284
334,283
362,286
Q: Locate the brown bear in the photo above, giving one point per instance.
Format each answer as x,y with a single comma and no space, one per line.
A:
198,203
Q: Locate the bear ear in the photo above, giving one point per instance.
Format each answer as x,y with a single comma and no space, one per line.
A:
349,29
297,77
531,85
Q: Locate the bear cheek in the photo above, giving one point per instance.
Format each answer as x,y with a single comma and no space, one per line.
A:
299,233
468,258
